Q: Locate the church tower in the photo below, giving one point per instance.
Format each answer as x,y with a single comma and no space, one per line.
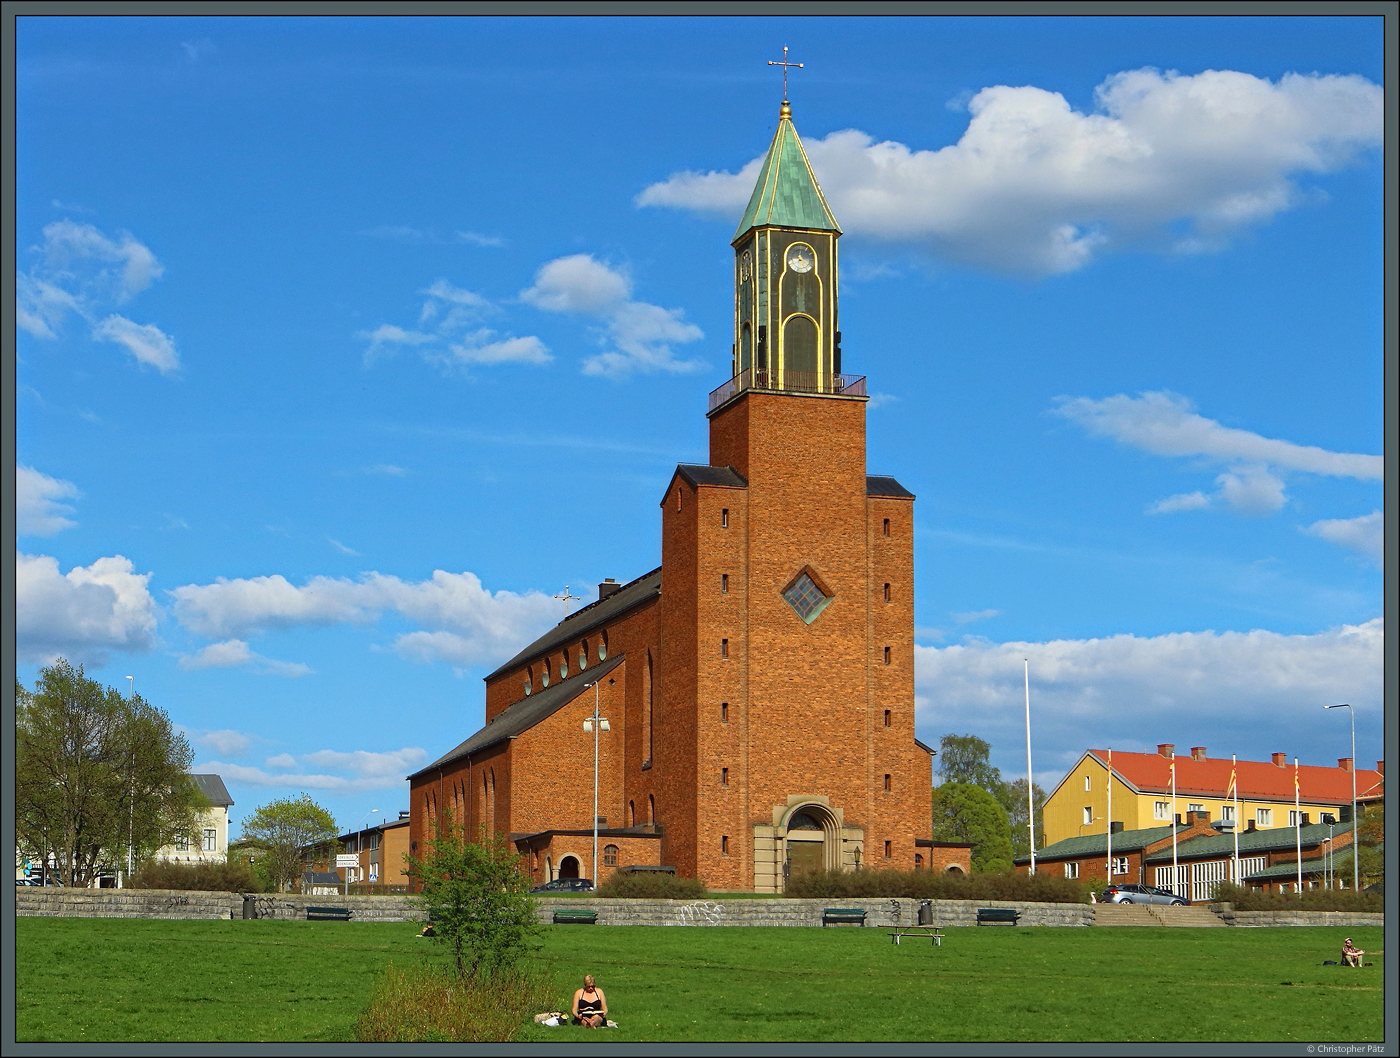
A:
785,736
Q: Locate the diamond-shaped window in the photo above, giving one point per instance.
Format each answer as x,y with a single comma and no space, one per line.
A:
806,598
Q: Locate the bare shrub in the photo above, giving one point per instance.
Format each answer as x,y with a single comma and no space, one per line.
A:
930,885
428,1003
652,885
204,877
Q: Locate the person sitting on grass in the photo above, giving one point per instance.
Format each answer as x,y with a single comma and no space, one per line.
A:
590,1005
1351,954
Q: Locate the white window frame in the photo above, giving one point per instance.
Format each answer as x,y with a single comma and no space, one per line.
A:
211,840
1227,813
1086,784
1263,817
1119,865
1162,810
1293,816
1195,808
1088,814
1072,869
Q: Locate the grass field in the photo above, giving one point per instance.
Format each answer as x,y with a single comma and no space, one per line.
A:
136,980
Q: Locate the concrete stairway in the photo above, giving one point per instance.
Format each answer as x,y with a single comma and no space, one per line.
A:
1153,915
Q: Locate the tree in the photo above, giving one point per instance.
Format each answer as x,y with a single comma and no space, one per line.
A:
967,759
477,898
96,774
283,830
1012,797
963,812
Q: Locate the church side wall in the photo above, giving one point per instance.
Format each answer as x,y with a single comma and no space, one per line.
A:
674,762
902,813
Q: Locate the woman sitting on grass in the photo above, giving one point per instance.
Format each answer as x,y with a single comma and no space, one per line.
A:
590,1005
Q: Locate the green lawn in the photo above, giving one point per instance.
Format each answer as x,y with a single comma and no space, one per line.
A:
130,979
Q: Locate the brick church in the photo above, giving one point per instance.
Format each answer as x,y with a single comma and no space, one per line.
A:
758,687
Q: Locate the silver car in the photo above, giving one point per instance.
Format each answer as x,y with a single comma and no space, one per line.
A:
1139,894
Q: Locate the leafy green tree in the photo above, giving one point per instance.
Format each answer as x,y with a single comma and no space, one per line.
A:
279,834
477,898
963,812
96,774
967,759
1012,797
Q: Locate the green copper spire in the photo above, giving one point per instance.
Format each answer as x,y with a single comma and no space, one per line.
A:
787,194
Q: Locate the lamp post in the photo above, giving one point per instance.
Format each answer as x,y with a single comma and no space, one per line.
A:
131,802
595,723
1331,821
1355,858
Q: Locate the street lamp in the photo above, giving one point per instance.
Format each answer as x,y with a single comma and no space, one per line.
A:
595,723
131,803
1355,823
1330,820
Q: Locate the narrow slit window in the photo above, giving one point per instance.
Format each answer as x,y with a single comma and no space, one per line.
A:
724,712
887,718
887,782
724,844
724,776
887,655
887,593
724,583
724,518
887,527
724,648
888,849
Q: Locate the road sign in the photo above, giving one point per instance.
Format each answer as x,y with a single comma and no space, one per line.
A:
346,859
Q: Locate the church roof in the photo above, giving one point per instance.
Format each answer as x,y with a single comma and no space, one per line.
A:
641,590
526,713
879,485
698,474
787,194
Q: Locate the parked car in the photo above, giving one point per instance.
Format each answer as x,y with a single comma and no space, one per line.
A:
1139,894
565,885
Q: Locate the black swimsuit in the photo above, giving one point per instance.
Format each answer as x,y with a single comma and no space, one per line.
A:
588,1008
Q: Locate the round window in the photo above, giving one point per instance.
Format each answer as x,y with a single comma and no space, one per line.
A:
583,656
544,676
564,666
528,688
603,647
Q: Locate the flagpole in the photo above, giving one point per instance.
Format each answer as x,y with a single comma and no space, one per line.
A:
1235,789
1030,775
1298,819
1175,878
1110,815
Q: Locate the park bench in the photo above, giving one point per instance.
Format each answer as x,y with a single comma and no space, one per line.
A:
575,918
328,914
854,915
933,932
997,914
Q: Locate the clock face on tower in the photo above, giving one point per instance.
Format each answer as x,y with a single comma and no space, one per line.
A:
800,258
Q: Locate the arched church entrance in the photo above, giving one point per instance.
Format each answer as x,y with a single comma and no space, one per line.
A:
812,840
568,867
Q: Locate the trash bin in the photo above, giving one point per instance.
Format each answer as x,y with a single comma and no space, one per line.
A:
250,906
926,912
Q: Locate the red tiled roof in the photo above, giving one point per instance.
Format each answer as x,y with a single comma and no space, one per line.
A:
1257,780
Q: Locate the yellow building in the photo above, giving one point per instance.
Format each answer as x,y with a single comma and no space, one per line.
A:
1262,797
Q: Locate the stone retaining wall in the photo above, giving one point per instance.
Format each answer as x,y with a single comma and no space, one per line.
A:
1336,919
807,912
125,903
291,907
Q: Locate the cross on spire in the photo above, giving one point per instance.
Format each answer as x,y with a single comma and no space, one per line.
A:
784,64
566,598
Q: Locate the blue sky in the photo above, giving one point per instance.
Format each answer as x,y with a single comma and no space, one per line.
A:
344,345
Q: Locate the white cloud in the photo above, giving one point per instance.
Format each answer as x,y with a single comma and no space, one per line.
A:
148,343
386,339
233,653
1364,535
1035,186
1166,424
479,349
1133,691
359,770
80,271
641,334
386,470
227,742
39,506
972,616
486,626
447,333
341,547
477,239
82,615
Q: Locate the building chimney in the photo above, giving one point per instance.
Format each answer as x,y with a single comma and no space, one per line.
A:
1165,748
1280,760
607,588
1194,819
1198,752
1380,766
1116,827
1344,763
1249,826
